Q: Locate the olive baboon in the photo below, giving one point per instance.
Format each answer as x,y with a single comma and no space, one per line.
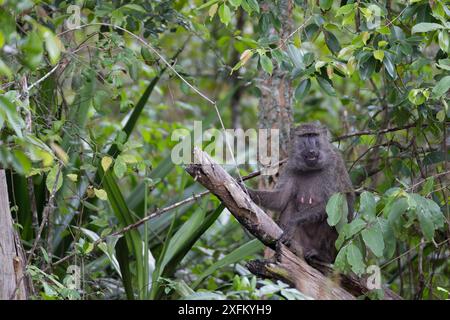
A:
314,172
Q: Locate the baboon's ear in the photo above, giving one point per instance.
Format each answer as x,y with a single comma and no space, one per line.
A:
327,133
323,129
318,124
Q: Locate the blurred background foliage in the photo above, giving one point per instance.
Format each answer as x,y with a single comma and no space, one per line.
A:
87,112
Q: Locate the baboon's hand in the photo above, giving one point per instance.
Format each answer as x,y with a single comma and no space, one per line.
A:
286,238
301,220
245,188
241,184
311,255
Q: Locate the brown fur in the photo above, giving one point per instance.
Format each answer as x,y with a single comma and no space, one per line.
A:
303,190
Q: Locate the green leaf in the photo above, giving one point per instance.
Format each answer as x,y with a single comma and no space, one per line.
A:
134,7
132,238
14,120
389,238
124,260
325,4
33,50
417,97
52,45
326,86
355,259
355,226
388,62
236,255
5,70
368,205
427,187
252,4
106,162
120,167
426,27
185,238
351,65
147,55
373,238
342,237
72,177
428,213
395,210
379,55
332,42
426,223
302,90
128,158
207,4
340,262
444,41
101,194
296,56
444,64
224,14
436,214
266,63
107,249
180,238
346,9
235,3
336,209
440,116
442,87
366,69
212,10
51,182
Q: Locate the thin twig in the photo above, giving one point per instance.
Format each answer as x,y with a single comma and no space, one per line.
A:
421,283
437,245
45,215
398,16
44,77
383,131
423,180
283,42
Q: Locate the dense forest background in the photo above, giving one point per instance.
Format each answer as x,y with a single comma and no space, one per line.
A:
91,92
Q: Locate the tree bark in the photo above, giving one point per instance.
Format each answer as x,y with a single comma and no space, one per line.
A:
275,105
285,265
237,86
13,282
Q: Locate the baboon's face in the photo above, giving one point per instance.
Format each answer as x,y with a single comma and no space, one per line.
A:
310,148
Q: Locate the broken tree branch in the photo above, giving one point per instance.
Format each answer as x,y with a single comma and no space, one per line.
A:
221,184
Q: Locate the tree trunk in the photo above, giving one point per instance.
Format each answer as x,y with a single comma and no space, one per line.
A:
12,277
236,84
275,105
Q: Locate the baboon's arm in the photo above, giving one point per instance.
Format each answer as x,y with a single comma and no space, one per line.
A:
269,199
275,199
314,215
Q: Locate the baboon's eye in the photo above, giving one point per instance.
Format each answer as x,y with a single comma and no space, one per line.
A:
310,135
